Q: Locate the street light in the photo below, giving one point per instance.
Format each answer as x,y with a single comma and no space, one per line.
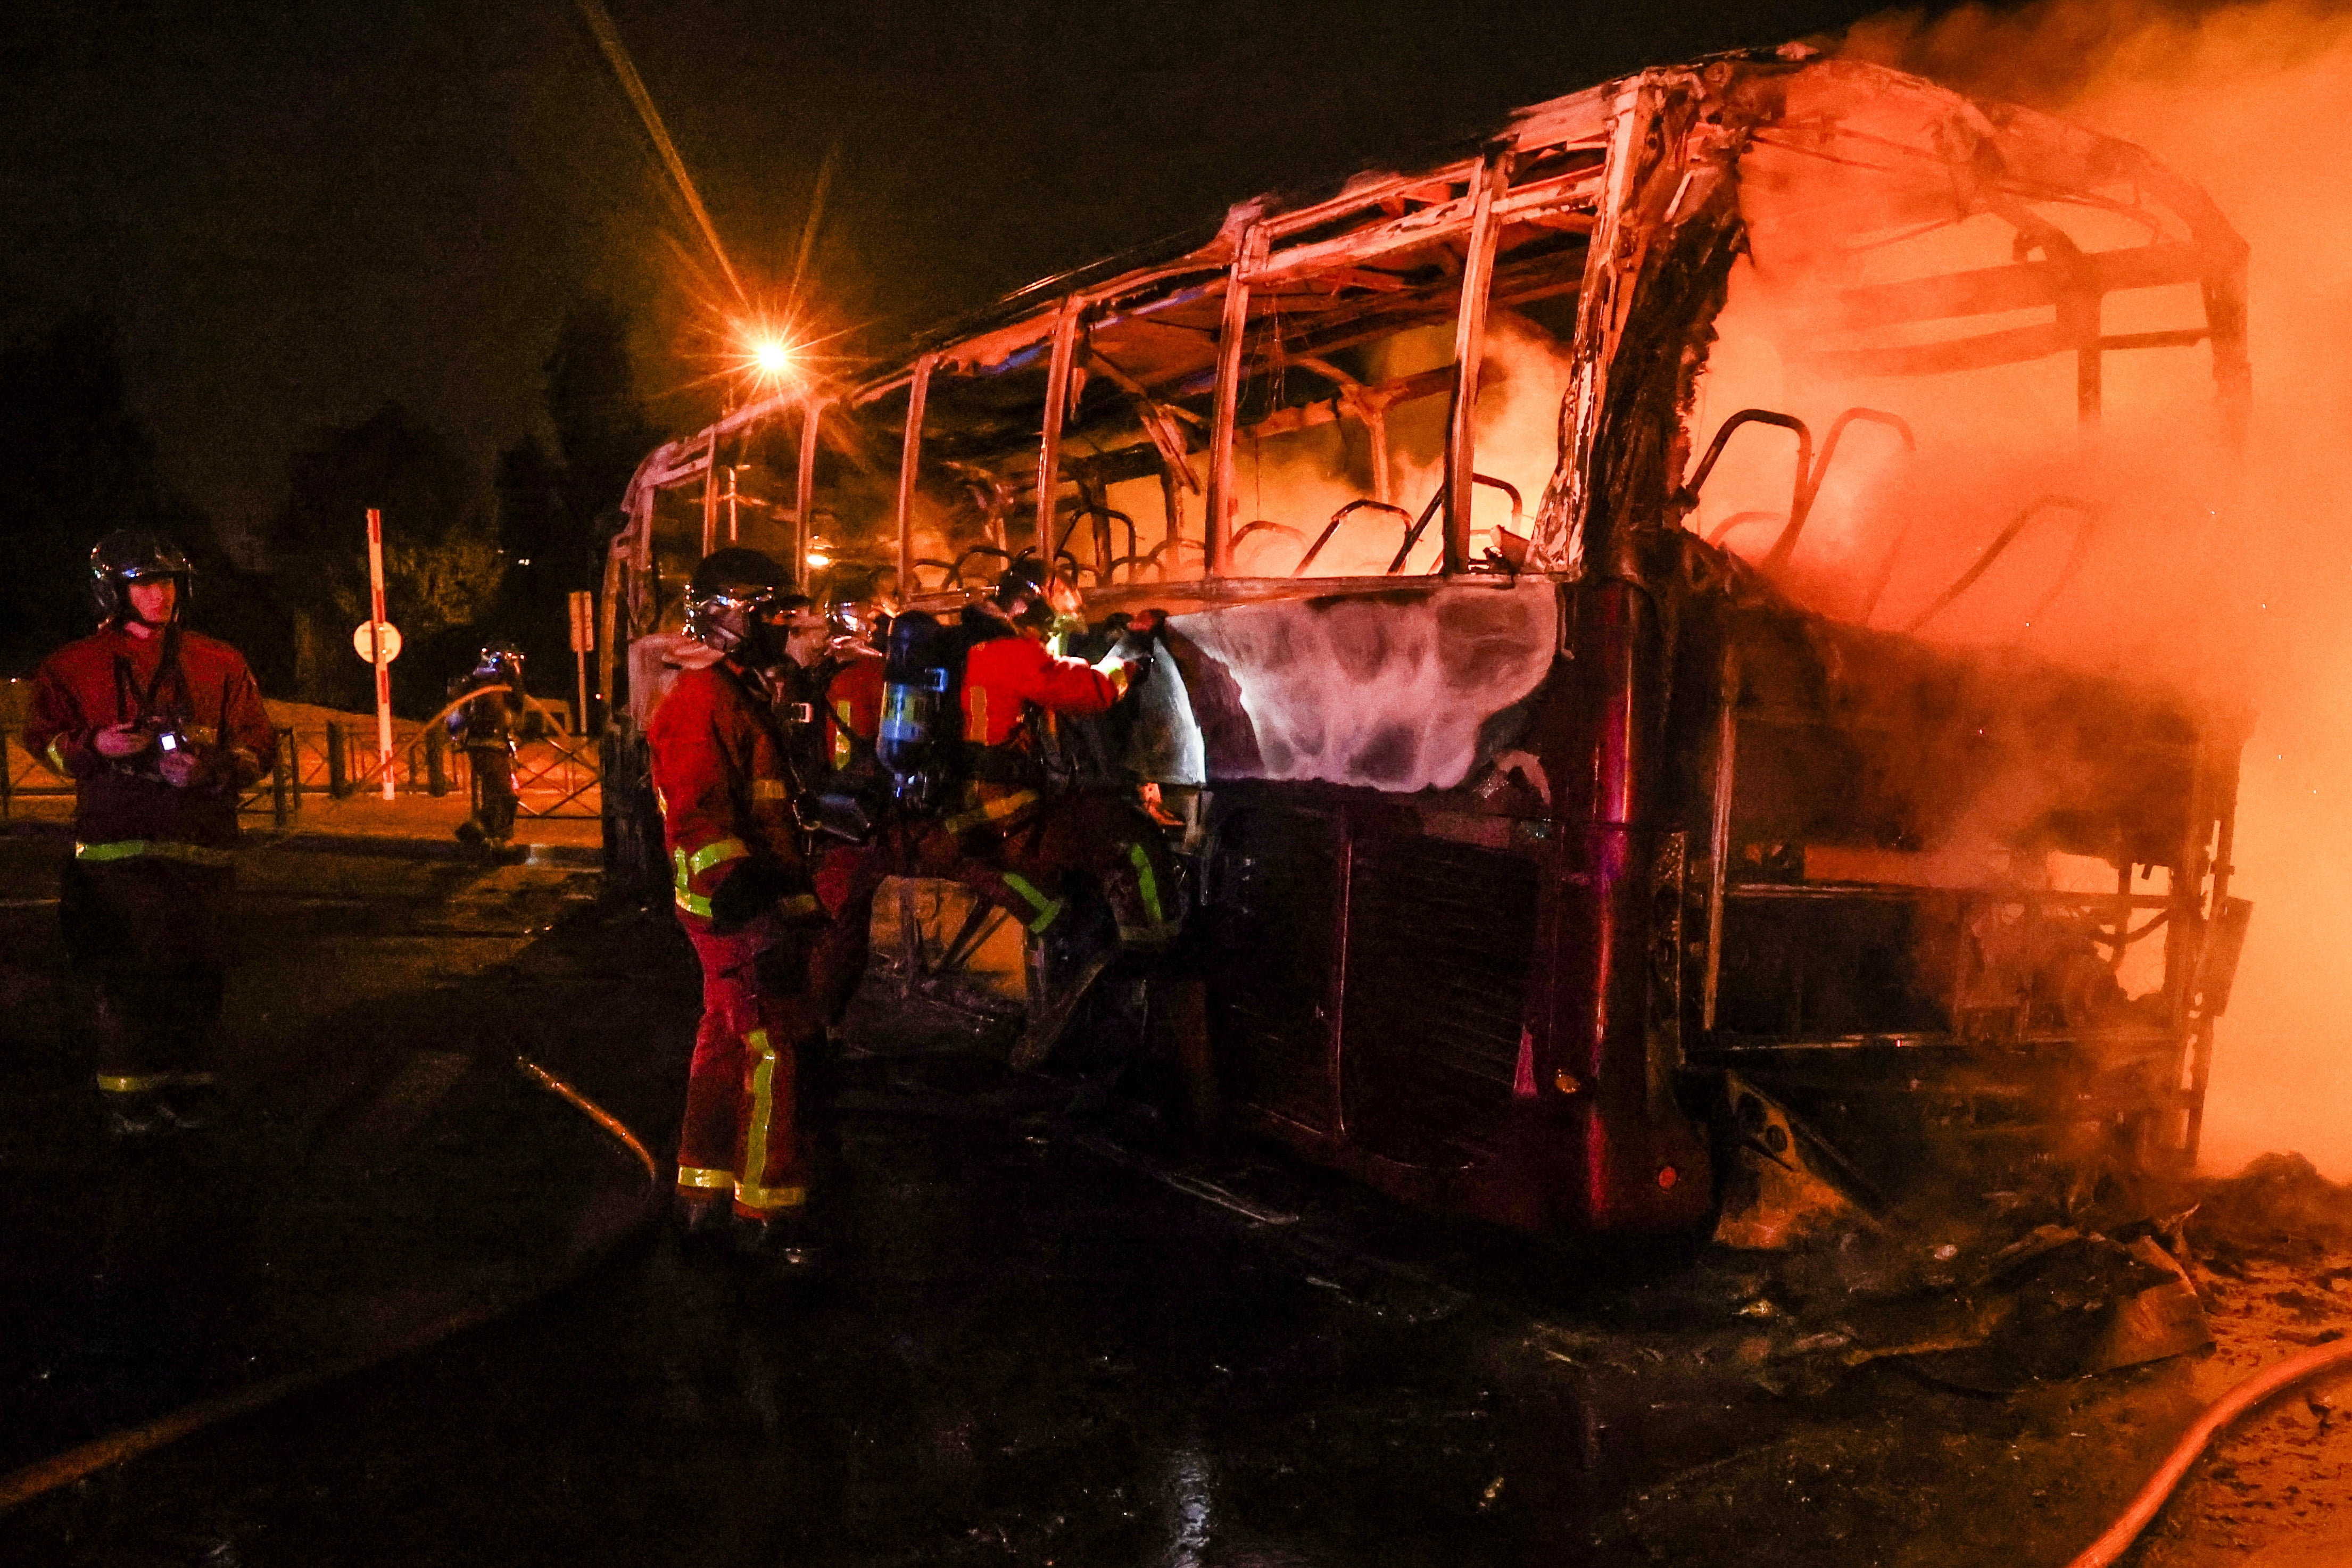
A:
766,356
772,358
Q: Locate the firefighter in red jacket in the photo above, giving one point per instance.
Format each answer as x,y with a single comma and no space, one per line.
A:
1032,847
160,728
726,790
485,726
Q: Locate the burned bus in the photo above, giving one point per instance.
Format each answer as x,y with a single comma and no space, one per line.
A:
1594,802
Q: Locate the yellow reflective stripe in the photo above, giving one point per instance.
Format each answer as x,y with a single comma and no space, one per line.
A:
1147,882
1119,676
717,853
975,715
115,1084
701,1178
132,1083
767,790
688,899
1046,908
661,803
763,1104
841,711
158,849
769,1198
56,755
843,755
992,810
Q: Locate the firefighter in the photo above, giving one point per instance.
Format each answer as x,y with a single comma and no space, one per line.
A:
725,786
1031,843
485,726
852,867
160,728
858,619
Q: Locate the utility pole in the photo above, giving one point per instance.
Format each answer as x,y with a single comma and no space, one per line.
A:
382,654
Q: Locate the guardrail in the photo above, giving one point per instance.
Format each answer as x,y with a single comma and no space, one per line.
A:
557,776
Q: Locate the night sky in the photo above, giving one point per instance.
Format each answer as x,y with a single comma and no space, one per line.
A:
298,211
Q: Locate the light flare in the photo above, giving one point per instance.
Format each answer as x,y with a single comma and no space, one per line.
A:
766,355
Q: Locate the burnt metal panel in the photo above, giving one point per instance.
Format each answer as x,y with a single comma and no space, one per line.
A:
1277,892
1441,940
1807,968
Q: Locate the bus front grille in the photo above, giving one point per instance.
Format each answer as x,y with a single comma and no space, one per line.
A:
1441,941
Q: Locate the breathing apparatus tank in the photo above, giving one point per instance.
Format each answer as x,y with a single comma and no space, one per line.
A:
917,738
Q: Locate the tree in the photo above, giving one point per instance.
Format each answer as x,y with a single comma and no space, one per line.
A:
442,567
601,429
556,510
76,462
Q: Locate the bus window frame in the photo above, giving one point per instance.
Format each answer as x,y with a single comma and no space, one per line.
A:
911,449
810,405
1256,261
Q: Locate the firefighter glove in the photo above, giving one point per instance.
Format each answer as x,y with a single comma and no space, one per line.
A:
750,890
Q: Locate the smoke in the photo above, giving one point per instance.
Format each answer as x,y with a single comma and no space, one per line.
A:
1301,480
2225,570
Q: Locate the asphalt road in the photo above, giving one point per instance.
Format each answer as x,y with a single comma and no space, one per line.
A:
1052,1337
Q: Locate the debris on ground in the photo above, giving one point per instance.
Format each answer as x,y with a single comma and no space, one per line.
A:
2278,1207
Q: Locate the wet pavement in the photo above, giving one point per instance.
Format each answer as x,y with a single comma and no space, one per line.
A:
1054,1337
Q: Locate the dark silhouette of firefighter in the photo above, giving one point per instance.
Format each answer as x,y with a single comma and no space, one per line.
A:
485,726
1061,850
854,841
161,729
857,621
730,803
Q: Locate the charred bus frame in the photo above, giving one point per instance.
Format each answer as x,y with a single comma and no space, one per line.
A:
1629,826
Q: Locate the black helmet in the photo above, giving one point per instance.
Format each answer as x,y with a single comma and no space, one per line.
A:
1023,579
855,604
133,555
1034,597
734,598
500,658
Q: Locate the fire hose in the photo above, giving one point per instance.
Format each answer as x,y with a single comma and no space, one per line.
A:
2245,1396
117,1447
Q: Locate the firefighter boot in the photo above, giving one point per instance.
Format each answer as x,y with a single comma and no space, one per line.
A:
133,1118
189,1102
784,1242
126,1087
700,1218
1064,963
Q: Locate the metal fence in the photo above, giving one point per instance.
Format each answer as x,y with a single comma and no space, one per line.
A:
557,776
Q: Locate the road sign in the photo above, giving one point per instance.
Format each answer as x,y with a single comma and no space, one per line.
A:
582,606
364,643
